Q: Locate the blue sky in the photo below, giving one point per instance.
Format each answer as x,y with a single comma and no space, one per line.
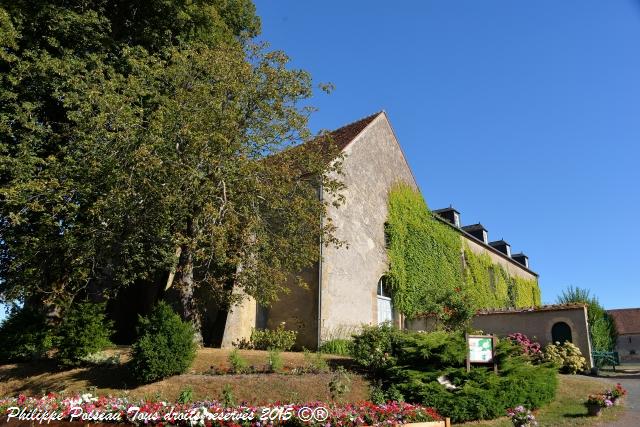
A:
523,115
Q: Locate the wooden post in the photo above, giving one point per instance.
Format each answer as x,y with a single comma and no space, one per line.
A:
494,343
466,343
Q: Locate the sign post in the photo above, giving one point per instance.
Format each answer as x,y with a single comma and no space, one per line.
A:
481,350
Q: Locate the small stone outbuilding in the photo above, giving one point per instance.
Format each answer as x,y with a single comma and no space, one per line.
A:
627,322
546,324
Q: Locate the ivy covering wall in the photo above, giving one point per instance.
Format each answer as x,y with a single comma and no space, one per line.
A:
425,268
430,271
490,285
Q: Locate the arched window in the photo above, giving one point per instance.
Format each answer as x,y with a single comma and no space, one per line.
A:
385,308
561,332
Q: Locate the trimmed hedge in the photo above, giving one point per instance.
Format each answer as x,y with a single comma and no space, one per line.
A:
84,330
165,345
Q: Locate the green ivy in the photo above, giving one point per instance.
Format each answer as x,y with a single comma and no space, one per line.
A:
489,285
426,269
424,255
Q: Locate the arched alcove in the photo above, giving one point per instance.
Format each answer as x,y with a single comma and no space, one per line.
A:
561,332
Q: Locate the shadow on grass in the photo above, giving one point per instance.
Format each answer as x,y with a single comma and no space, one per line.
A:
47,375
576,415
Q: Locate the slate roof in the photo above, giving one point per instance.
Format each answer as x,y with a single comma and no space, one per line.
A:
340,137
627,320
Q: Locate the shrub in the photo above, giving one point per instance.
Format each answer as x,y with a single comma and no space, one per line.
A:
274,361
340,383
84,330
416,363
24,336
338,346
186,395
165,345
527,346
272,339
566,357
372,347
238,363
228,400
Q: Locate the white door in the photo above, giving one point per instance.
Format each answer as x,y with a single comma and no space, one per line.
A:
385,311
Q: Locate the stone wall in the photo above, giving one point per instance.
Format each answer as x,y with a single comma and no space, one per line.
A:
537,325
374,162
628,348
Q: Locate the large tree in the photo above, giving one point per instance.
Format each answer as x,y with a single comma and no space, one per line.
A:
150,141
602,328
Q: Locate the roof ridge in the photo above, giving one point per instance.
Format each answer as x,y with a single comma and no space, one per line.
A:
369,117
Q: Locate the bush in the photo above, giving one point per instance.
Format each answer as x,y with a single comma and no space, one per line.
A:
24,336
566,357
238,363
527,346
372,347
274,361
415,362
340,383
272,339
84,330
165,345
338,346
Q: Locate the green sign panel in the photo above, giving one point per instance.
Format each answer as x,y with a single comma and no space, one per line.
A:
480,349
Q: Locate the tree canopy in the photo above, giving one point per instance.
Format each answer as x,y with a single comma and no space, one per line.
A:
601,326
149,141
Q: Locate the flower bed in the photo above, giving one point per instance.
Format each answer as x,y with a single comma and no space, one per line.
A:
55,409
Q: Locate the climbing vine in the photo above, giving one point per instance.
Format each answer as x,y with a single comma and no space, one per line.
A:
489,285
427,271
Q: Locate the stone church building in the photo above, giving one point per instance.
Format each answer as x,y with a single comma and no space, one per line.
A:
345,288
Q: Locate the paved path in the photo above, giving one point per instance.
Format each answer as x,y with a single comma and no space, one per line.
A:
631,415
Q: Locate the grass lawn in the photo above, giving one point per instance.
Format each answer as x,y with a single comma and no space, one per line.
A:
568,408
38,378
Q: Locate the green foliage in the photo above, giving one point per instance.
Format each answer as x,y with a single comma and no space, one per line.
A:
133,140
489,285
238,364
601,326
425,269
228,400
84,330
186,395
24,335
165,345
314,363
416,361
340,383
274,361
372,347
567,357
526,292
377,395
273,339
338,346
427,273
431,350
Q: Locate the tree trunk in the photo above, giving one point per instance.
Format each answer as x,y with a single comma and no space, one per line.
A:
181,288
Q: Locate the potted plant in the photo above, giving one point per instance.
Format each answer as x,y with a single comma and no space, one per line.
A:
617,394
595,403
522,417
